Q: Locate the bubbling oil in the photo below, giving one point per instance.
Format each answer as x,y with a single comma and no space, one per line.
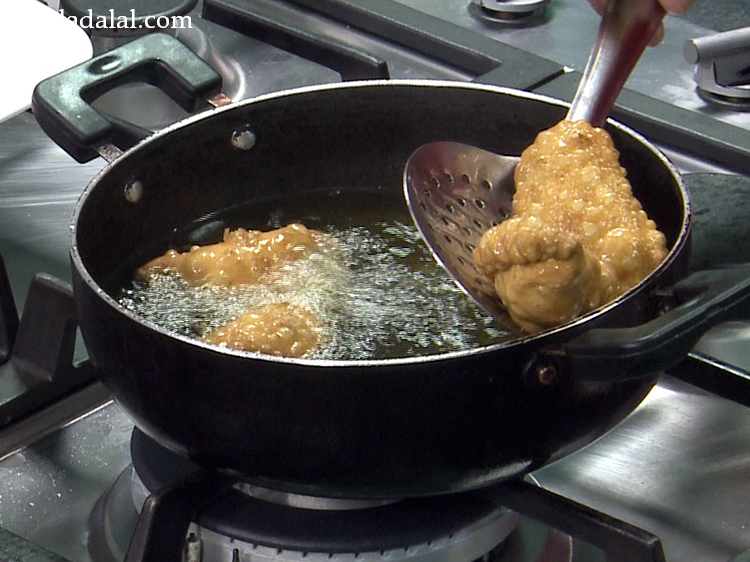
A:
374,287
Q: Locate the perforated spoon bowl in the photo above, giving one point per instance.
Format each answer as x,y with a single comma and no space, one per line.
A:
455,192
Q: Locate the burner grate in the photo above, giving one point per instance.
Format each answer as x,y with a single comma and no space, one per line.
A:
250,529
457,526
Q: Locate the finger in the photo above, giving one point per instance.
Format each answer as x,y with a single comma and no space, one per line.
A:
676,6
658,36
599,5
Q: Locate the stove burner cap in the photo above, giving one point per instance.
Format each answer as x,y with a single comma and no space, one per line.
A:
508,11
308,502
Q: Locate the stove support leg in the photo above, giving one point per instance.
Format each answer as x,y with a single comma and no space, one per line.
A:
45,342
620,541
167,513
8,315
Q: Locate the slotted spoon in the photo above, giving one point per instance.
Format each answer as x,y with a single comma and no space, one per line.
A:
455,192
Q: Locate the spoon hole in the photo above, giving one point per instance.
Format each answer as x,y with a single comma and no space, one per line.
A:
487,185
448,177
466,179
480,203
461,201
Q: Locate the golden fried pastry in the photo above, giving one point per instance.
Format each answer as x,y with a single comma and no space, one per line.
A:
243,259
240,259
578,238
274,329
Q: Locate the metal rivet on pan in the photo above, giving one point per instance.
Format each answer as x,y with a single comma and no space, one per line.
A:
243,139
133,191
541,372
546,374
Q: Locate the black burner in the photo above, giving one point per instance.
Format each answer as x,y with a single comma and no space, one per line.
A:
469,521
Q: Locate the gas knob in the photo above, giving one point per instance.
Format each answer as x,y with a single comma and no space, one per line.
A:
722,73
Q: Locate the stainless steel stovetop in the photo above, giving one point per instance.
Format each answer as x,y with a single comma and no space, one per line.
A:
678,467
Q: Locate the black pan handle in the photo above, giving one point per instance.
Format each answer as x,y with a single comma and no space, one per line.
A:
62,104
707,299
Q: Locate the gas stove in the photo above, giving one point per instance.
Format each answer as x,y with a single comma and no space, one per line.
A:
671,482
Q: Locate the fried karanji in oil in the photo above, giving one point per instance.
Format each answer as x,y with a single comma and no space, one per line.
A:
246,257
578,238
241,258
279,329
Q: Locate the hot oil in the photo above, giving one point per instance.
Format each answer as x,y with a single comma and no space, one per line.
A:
374,286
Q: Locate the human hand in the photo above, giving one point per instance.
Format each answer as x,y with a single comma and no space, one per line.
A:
674,7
